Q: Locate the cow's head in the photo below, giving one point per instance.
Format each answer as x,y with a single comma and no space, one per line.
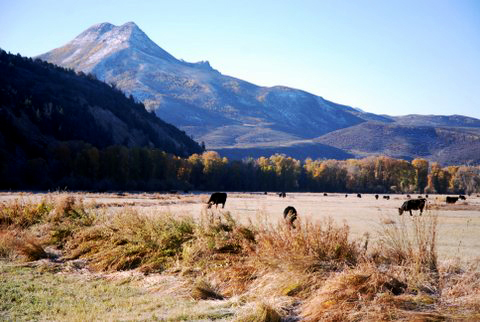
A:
400,211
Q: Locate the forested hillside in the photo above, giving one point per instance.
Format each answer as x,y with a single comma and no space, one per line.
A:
48,113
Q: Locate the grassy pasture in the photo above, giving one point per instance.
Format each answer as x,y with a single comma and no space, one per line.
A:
165,257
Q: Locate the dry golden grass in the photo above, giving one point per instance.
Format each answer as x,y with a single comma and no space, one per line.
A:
23,214
20,244
315,272
260,312
312,246
202,290
128,240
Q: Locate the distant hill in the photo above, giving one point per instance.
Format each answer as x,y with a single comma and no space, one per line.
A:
444,145
42,104
438,120
240,119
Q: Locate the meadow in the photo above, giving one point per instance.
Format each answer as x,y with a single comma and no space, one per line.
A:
147,256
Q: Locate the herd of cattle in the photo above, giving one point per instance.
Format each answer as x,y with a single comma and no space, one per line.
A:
290,213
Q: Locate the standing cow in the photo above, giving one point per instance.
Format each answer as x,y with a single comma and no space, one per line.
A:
359,195
217,198
282,194
412,204
290,215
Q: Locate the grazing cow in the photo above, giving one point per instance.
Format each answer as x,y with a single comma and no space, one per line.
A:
290,215
376,197
426,196
451,199
346,195
462,197
386,197
217,198
265,193
412,204
359,195
282,194
325,194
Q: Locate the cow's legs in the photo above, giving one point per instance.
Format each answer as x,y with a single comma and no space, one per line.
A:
410,212
223,205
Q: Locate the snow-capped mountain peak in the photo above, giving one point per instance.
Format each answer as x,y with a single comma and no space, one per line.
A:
100,41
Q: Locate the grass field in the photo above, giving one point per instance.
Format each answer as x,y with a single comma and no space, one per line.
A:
139,256
458,225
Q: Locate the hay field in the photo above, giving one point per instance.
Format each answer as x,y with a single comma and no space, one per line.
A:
458,224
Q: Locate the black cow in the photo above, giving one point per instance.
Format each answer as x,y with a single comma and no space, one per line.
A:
217,198
359,195
412,204
282,194
376,197
408,196
386,197
290,215
346,196
325,194
426,196
462,197
451,199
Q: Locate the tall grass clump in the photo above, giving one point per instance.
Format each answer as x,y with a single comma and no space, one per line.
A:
410,241
311,247
410,245
220,249
68,215
20,244
218,236
23,214
128,240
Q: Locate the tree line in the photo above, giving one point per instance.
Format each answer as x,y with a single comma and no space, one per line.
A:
82,166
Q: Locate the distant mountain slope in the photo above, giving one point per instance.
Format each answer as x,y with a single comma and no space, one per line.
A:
41,104
445,145
220,110
240,119
438,120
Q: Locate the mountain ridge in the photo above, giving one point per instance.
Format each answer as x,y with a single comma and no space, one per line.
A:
222,111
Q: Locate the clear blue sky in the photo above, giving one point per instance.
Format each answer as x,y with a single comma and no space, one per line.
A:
392,57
